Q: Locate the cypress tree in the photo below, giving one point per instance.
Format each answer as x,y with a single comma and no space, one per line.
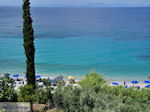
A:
28,36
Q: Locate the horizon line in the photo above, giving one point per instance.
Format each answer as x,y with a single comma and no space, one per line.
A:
82,6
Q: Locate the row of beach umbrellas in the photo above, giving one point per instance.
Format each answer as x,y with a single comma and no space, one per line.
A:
15,75
133,82
71,78
37,76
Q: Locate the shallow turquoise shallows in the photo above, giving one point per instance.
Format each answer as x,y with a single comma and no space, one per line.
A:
74,41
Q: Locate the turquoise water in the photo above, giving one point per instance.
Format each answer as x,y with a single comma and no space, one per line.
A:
74,41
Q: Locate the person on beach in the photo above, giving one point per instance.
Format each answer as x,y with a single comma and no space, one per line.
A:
124,83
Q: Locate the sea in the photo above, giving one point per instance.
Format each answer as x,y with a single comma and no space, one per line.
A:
114,42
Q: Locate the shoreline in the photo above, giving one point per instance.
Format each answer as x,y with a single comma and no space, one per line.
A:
109,80
79,77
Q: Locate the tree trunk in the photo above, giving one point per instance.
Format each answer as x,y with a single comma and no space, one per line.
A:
31,106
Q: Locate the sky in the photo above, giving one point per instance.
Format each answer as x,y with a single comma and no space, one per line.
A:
79,3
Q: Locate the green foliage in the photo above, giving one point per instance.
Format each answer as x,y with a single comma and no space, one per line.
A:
46,82
27,94
92,81
57,97
7,92
70,98
40,96
6,76
28,36
67,97
44,96
2,110
57,110
87,98
7,79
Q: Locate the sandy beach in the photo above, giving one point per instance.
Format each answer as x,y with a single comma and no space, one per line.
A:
128,83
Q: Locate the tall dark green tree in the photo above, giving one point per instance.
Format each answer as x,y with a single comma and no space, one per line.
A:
28,35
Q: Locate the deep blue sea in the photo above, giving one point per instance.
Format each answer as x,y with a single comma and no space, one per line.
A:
74,41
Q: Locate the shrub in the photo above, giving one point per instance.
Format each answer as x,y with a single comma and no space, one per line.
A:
71,97
46,82
92,81
94,95
67,98
57,97
7,92
87,100
27,94
44,96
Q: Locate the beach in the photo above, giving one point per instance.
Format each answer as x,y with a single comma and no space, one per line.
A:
113,83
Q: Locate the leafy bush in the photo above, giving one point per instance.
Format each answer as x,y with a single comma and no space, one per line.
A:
46,82
57,97
94,95
92,81
87,100
7,92
44,96
27,94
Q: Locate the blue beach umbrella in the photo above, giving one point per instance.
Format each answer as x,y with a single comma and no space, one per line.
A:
115,83
52,81
38,76
148,82
16,75
58,78
135,82
148,86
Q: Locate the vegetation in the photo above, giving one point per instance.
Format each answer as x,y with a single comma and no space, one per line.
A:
28,35
27,94
94,95
46,82
91,95
44,94
40,95
7,92
92,81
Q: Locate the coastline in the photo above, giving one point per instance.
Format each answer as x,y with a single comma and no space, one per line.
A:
109,80
80,77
